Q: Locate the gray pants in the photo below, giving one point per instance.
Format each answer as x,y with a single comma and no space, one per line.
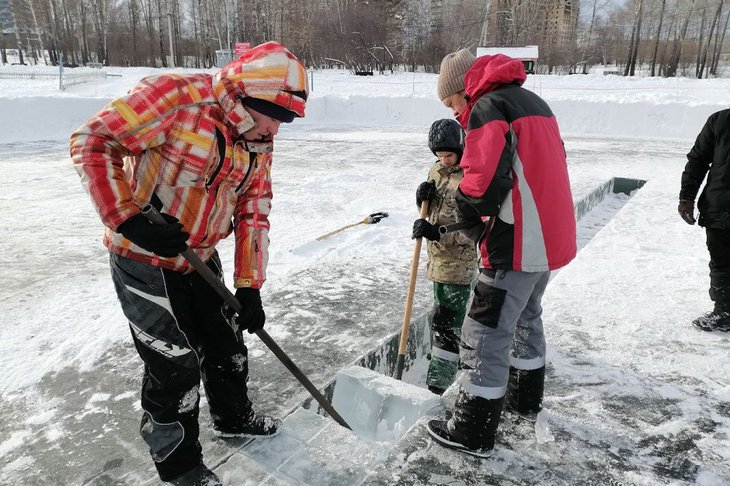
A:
505,313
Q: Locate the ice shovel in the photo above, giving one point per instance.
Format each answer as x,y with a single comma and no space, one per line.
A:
371,219
220,288
409,302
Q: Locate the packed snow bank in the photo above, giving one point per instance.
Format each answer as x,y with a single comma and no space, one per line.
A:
41,118
642,120
613,106
38,118
52,118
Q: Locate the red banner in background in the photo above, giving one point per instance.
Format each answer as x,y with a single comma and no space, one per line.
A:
240,48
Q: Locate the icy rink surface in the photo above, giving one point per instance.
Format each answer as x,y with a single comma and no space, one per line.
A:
633,392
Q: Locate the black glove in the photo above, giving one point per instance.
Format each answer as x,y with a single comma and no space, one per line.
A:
687,211
166,240
426,192
424,229
252,316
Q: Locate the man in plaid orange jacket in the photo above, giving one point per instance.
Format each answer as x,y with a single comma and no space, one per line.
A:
198,148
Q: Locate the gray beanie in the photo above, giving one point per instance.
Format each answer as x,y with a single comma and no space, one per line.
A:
451,75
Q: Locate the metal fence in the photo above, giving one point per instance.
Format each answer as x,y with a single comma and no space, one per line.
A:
64,78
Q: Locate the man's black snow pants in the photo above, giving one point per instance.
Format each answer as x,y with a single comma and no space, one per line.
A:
182,335
718,244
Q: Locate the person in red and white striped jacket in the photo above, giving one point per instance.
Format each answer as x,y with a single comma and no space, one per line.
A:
515,178
198,148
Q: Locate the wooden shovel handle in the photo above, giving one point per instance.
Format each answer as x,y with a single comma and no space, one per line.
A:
320,238
409,301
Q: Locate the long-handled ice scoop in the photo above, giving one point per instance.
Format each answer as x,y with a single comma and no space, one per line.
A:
373,218
153,215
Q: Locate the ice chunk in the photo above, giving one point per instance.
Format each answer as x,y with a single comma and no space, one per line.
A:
542,429
378,407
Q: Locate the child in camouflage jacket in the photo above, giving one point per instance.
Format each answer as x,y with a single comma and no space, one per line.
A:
452,257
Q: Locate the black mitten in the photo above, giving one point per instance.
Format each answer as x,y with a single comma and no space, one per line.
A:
424,229
165,240
426,191
252,317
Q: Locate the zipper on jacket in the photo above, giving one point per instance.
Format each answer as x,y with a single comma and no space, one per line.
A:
221,157
252,161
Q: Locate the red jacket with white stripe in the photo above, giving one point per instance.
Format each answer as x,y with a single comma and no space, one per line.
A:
175,141
515,171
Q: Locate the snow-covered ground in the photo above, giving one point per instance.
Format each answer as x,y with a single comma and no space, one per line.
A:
632,387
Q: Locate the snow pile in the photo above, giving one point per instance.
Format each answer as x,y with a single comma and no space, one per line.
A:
608,105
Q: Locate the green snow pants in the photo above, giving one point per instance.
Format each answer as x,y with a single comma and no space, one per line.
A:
449,309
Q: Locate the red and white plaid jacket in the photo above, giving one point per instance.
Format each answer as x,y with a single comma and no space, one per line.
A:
161,140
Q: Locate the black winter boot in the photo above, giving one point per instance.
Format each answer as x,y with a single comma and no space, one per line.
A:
256,426
473,427
198,476
717,320
524,392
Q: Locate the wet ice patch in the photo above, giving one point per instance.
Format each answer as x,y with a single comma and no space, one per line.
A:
378,407
16,440
99,397
19,464
125,395
189,400
54,433
42,417
96,404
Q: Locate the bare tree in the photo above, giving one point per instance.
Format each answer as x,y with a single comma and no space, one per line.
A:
596,8
658,37
665,36
704,48
635,40
415,30
677,44
718,45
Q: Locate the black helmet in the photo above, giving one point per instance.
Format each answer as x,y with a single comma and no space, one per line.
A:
446,135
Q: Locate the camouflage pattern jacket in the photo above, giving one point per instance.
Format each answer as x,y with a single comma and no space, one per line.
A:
452,259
